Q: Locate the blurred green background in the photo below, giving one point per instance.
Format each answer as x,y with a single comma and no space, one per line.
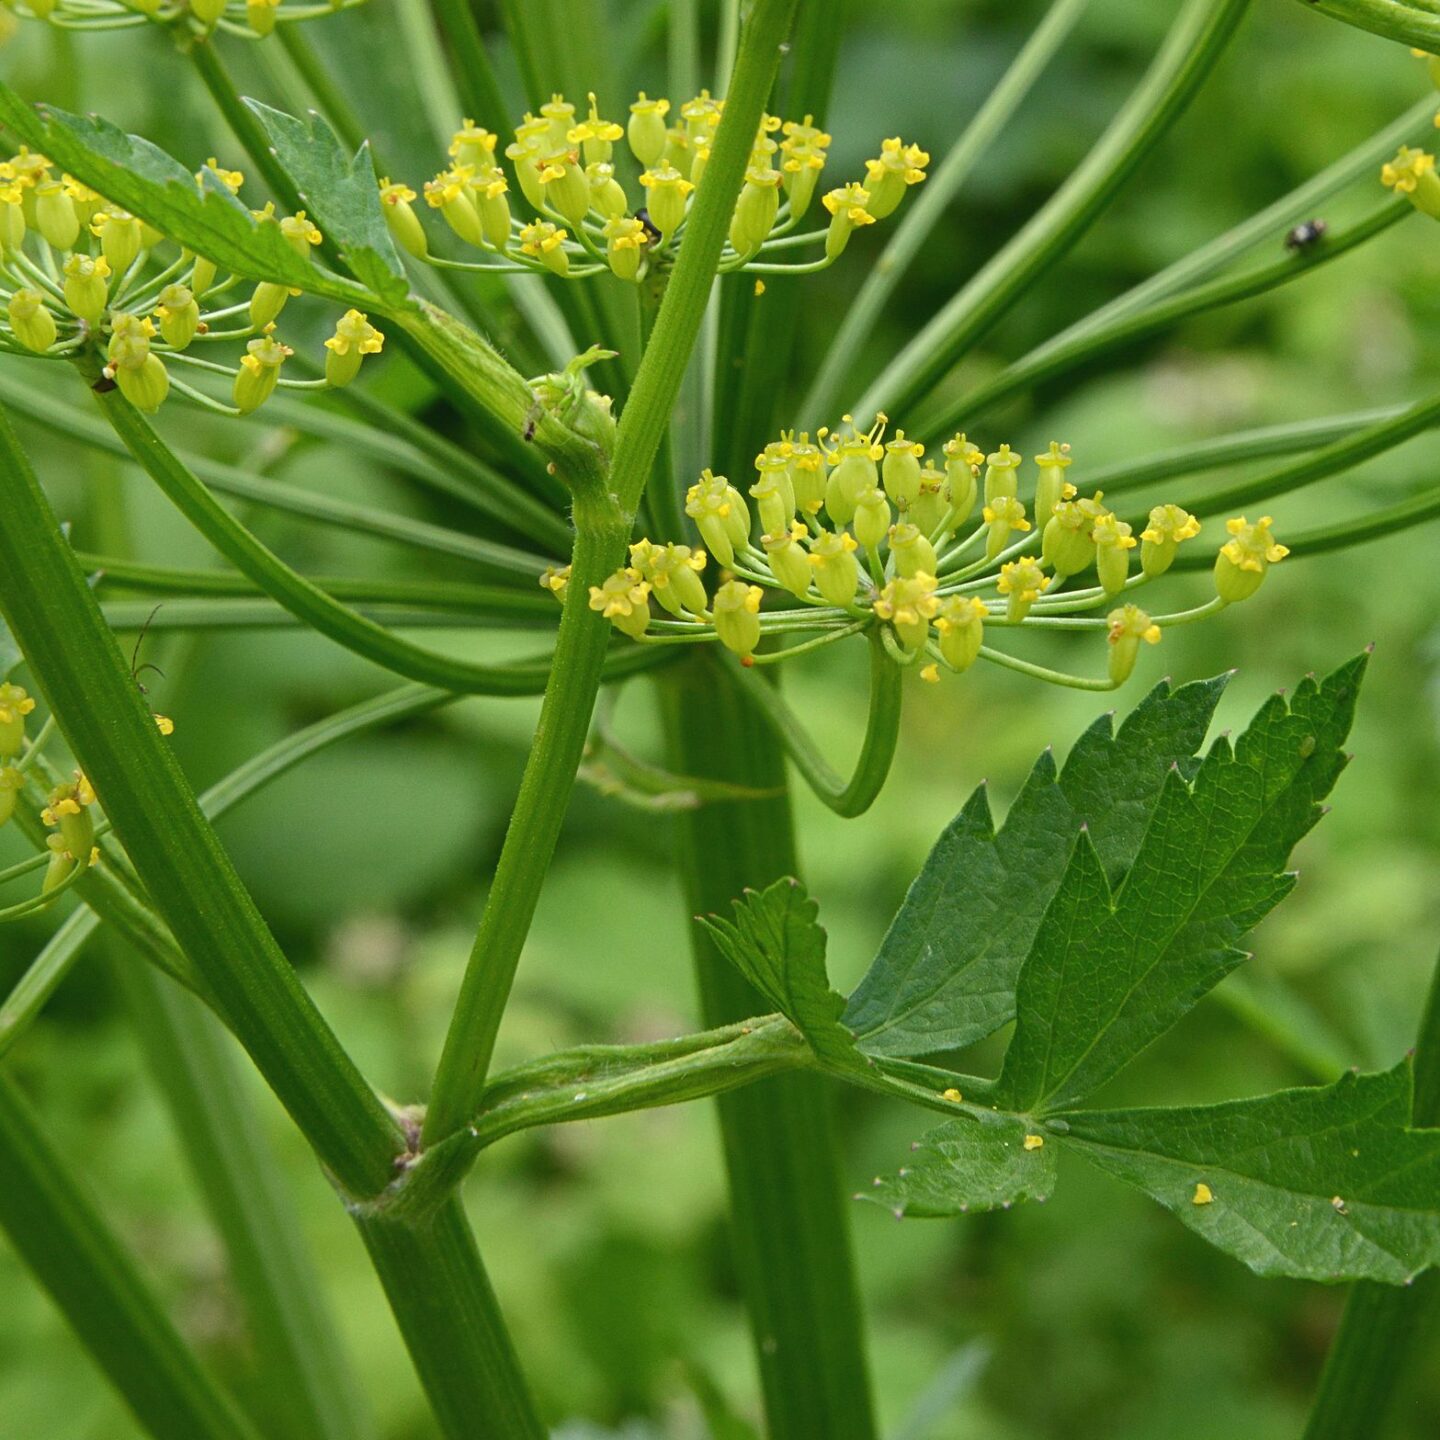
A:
1095,1315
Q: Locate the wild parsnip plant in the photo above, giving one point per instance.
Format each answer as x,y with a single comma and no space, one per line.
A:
699,524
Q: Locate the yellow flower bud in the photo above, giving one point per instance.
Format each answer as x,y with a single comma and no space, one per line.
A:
624,600
625,242
179,315
449,193
909,603
1003,515
1022,582
556,579
12,781
69,810
891,173
929,507
354,338
55,215
849,209
901,469
1412,174
1066,546
400,217
267,300
1129,625
912,550
755,210
1245,557
674,575
646,129
872,518
566,190
15,705
473,145
855,474
1113,544
259,372
87,286
666,189
202,276
803,150
1002,477
962,468
607,194
595,136
1050,487
788,559
546,243
559,116
31,320
837,575
1160,539
961,626
737,616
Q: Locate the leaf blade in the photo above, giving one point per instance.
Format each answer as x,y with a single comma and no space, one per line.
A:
1323,1183
946,971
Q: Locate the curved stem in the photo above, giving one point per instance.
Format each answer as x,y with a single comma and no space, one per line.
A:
877,751
1036,368
925,211
1195,42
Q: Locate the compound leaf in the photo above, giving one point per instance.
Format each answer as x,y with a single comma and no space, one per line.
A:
1107,975
946,971
776,943
1325,1183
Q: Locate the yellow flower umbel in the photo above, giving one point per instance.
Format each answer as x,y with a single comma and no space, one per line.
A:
546,242
1160,539
849,208
15,705
891,173
737,617
1412,174
624,600
1129,625
961,625
396,205
354,338
259,371
909,603
720,514
1244,558
1022,582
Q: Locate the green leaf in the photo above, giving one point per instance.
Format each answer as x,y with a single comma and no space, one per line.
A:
341,195
1320,1183
777,945
1108,973
945,975
977,1162
206,217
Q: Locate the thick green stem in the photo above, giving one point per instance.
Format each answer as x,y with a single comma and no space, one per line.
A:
441,1296
306,1388
147,798
603,517
57,1231
788,1227
1366,1369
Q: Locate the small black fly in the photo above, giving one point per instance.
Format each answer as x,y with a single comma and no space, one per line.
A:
1306,234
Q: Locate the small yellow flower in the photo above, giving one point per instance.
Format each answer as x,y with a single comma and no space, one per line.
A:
1244,558
909,603
1412,174
556,579
737,617
849,208
961,626
890,173
545,241
1169,525
1129,625
354,338
624,601
232,180
1022,582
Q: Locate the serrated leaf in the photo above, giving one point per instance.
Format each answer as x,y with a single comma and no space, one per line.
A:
133,173
776,943
1324,1183
340,194
946,971
1107,975
970,1163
